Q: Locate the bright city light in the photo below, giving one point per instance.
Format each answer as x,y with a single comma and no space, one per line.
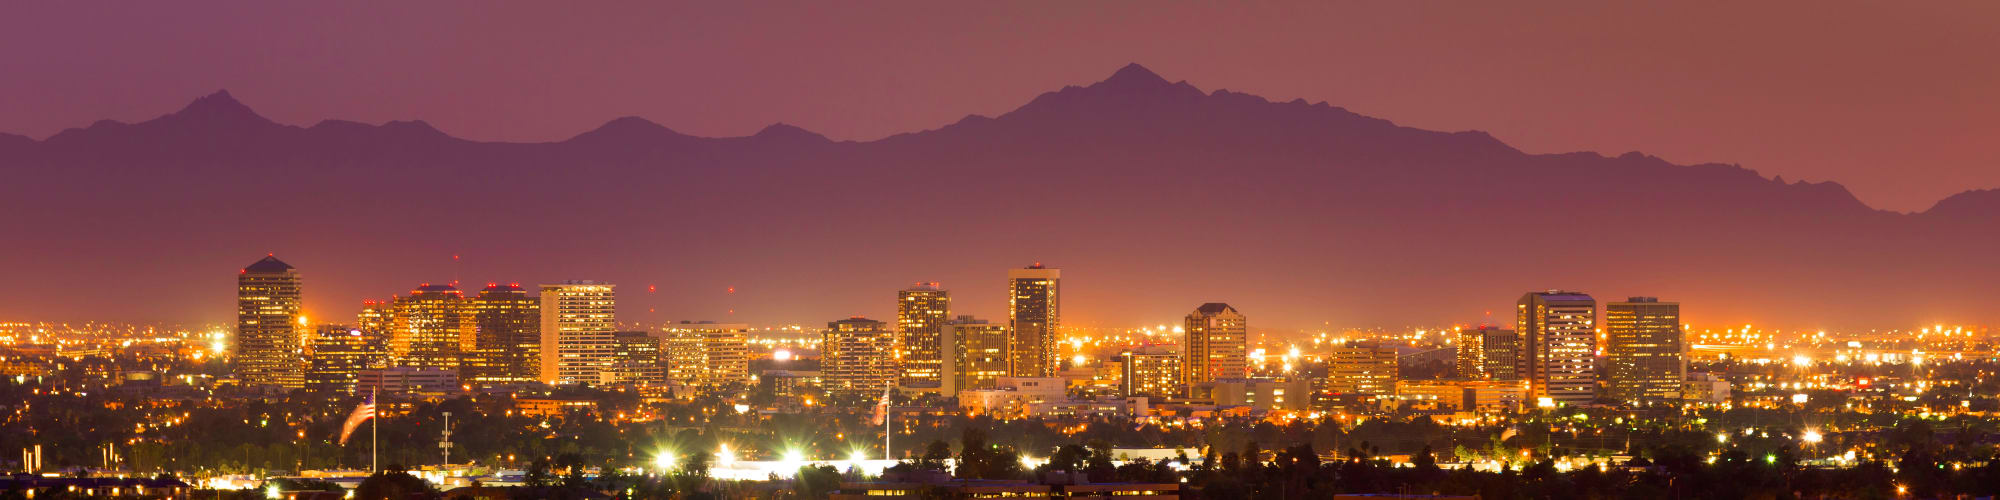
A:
664,461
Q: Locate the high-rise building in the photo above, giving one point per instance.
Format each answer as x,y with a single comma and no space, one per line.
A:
636,359
577,320
706,355
431,328
978,353
507,336
921,311
1034,315
1643,350
339,354
1152,371
1559,344
1215,344
855,357
1488,353
1367,368
268,325
377,318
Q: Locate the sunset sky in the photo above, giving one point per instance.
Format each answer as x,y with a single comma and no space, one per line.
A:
1895,100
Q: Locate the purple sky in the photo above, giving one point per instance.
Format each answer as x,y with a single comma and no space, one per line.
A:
1894,99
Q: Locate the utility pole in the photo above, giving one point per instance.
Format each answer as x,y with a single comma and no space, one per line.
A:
446,443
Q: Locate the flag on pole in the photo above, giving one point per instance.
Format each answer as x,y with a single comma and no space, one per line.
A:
882,408
354,420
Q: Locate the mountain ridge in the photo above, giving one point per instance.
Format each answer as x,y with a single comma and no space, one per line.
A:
1154,193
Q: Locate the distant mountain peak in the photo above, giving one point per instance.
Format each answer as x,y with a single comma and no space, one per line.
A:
783,130
219,106
1134,75
627,128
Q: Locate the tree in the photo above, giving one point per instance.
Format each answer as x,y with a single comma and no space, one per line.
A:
934,456
817,481
395,483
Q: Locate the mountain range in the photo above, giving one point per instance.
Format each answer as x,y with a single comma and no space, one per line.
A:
1153,196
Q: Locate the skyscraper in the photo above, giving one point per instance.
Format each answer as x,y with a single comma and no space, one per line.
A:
1034,314
854,357
431,328
577,320
921,311
1643,350
1362,368
1559,343
507,338
978,353
1488,353
268,325
339,354
1216,344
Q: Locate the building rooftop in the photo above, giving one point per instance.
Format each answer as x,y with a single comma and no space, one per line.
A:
269,264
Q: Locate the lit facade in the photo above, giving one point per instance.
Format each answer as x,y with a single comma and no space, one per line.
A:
1365,368
636,359
1488,353
1152,371
268,325
921,311
1643,350
1034,315
707,355
577,320
339,354
1215,344
507,338
431,328
978,353
854,357
1559,344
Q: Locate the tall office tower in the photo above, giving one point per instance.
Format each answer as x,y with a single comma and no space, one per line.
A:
1558,345
1152,371
636,359
1216,344
978,353
1487,353
706,354
1034,314
1362,368
268,323
376,318
854,357
921,311
339,354
1643,351
431,328
507,336
577,320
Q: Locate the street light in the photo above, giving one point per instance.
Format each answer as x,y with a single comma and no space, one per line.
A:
664,461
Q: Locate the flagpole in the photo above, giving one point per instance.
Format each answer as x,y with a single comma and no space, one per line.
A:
374,432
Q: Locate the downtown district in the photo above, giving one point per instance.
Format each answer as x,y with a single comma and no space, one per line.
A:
513,387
